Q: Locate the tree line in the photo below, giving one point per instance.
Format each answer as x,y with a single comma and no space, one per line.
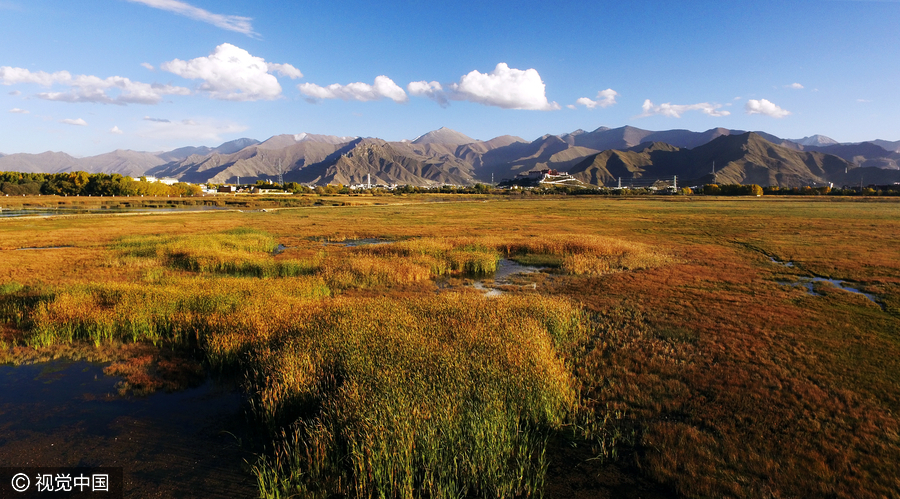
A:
88,184
81,183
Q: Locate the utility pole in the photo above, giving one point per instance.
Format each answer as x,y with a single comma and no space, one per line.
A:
280,174
715,176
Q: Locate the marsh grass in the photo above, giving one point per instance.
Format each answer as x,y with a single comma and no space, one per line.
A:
479,255
715,383
417,398
178,310
447,395
237,252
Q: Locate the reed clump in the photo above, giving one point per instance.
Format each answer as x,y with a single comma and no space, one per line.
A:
238,252
576,255
176,310
446,396
591,254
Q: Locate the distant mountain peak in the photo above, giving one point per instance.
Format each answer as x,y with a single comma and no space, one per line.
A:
816,140
445,136
329,139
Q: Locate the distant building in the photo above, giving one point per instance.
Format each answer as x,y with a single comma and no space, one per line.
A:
540,174
227,188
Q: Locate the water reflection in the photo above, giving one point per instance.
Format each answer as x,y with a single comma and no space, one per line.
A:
178,444
506,271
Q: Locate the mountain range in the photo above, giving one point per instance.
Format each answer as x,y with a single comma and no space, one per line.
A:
605,156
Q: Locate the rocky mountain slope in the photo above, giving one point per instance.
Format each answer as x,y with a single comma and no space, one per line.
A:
444,156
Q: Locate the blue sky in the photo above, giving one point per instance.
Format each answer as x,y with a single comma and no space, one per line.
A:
92,76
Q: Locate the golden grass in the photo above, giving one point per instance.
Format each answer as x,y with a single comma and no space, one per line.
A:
700,373
417,398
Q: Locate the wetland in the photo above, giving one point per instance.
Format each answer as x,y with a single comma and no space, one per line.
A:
627,348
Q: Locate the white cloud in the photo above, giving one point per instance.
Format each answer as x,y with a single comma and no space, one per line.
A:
431,90
201,130
15,92
284,70
605,98
116,130
231,73
78,122
795,86
676,110
86,88
504,87
13,76
148,66
863,100
763,106
16,110
238,24
93,89
571,106
158,120
383,87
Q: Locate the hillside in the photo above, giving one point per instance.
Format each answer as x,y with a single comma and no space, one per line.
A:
599,157
738,159
384,163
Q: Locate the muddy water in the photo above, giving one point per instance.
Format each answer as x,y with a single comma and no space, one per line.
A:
183,444
809,283
506,269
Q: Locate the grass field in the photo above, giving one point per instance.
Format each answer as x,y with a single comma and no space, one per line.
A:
662,355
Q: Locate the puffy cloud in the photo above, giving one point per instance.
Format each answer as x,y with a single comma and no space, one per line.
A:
78,122
676,110
231,73
190,130
13,76
504,87
231,23
116,130
383,87
605,98
86,88
795,86
16,110
284,70
431,90
148,66
763,106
